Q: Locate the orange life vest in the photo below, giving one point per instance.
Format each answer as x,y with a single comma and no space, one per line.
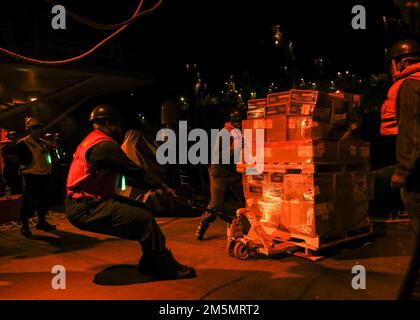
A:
83,180
389,117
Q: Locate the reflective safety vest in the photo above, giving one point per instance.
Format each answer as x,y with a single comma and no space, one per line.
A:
83,180
41,158
389,117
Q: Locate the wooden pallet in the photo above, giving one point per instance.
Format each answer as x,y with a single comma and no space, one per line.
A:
314,245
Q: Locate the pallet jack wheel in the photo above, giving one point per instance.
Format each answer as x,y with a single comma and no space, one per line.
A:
230,248
241,251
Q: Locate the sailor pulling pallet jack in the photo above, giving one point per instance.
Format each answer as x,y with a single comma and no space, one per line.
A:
92,205
222,176
400,116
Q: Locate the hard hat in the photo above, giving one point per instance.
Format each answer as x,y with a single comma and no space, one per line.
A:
11,134
31,122
404,48
104,112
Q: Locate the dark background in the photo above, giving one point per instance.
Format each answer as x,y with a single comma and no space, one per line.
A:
222,37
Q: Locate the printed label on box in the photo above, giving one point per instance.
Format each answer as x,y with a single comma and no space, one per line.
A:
294,108
307,109
269,111
255,189
259,177
281,109
304,95
276,98
277,177
257,103
308,169
255,115
305,151
276,110
273,193
353,151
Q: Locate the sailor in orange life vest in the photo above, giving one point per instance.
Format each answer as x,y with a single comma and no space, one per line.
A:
35,165
400,115
92,205
222,177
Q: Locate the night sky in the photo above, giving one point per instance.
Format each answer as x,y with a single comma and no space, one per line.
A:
223,36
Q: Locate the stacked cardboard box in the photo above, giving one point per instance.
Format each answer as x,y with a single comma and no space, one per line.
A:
326,205
298,115
304,128
256,108
316,151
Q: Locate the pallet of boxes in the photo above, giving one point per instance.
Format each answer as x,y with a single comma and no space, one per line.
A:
315,186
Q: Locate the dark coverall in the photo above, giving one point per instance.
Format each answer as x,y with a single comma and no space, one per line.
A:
222,176
117,216
35,188
408,146
221,179
408,166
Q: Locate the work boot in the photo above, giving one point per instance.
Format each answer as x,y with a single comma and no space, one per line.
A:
45,226
25,230
164,266
201,230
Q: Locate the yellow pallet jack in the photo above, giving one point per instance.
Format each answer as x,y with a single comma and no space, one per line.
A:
263,238
260,238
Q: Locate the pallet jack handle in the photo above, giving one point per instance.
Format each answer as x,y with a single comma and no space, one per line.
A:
192,204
